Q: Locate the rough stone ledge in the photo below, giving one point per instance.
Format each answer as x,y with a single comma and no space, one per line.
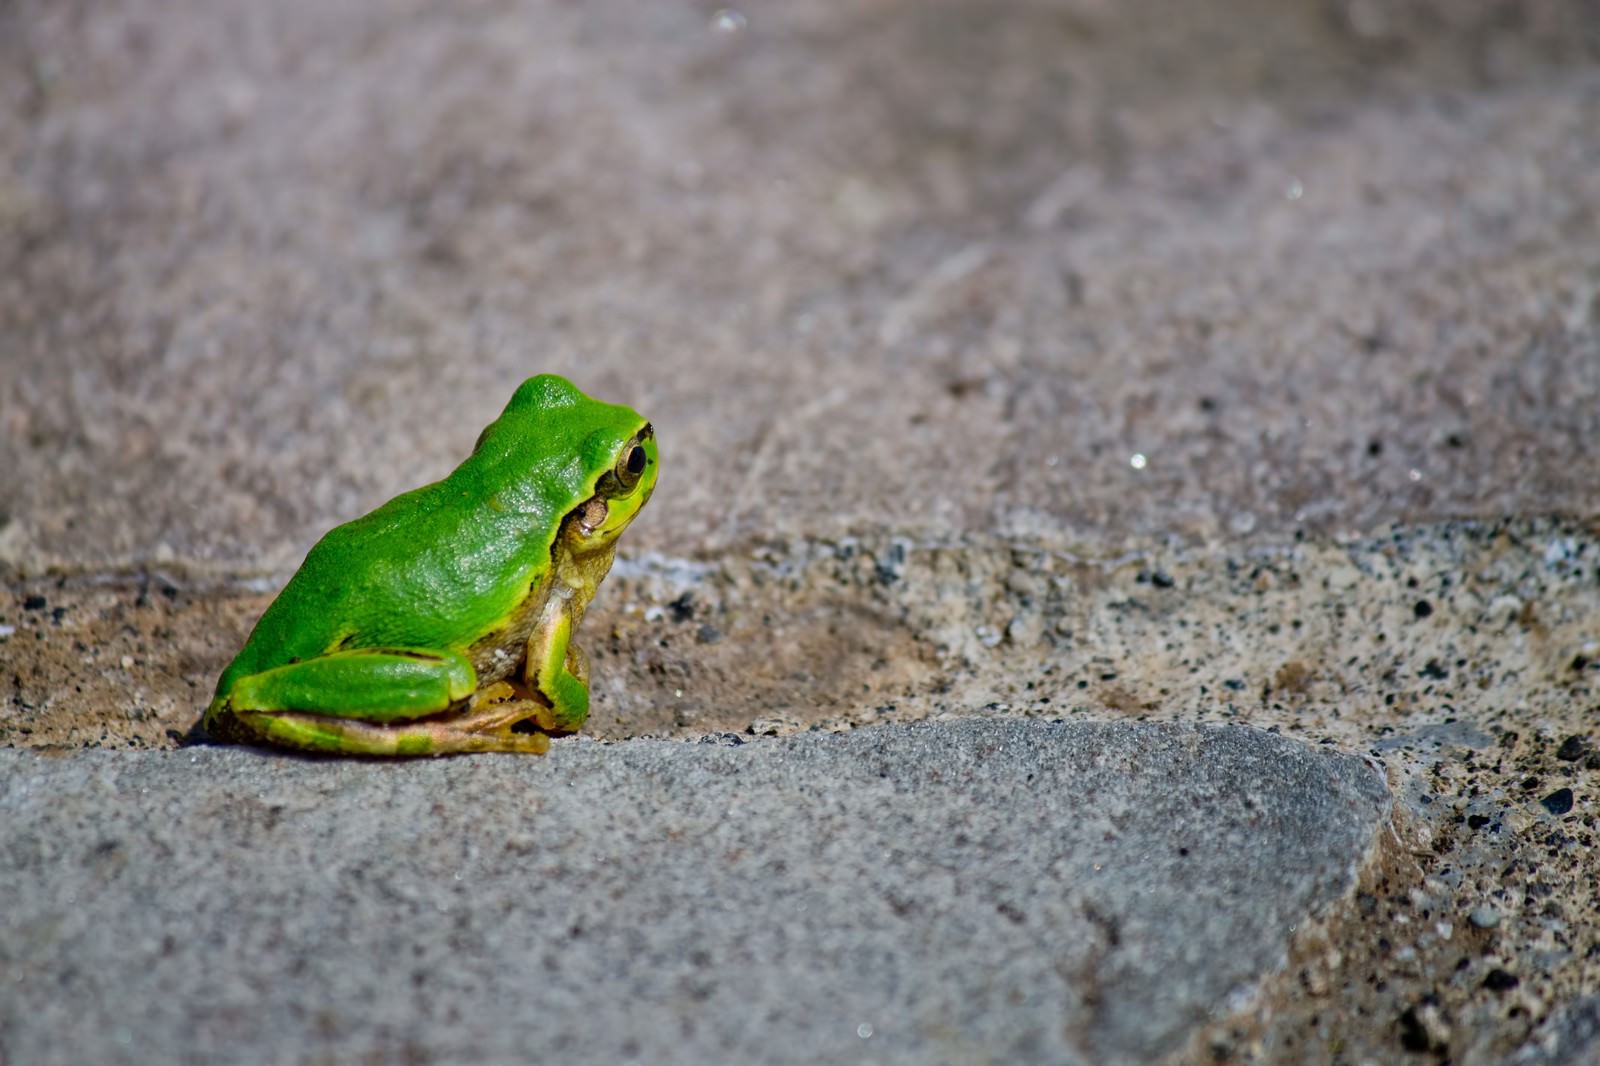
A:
1015,891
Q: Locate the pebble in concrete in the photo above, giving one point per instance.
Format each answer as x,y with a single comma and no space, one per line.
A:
1006,891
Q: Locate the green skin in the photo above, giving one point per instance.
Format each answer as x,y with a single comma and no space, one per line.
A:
442,622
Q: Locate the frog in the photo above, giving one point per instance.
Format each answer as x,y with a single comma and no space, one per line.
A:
443,622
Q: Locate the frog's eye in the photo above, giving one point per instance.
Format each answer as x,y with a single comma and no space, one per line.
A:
629,466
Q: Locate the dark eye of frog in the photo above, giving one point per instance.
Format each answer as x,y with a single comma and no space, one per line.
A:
629,466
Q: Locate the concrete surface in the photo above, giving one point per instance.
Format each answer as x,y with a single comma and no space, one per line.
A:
1004,892
1225,362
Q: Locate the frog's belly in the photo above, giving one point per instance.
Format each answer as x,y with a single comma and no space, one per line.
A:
501,654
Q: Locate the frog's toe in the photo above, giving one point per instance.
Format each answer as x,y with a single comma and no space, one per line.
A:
475,734
500,725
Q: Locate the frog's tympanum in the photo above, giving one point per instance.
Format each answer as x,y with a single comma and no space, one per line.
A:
443,621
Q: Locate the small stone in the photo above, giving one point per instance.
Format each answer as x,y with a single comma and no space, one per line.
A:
1315,982
1423,1028
1422,609
774,726
1025,629
35,603
1498,980
1484,916
1572,749
1024,584
1559,801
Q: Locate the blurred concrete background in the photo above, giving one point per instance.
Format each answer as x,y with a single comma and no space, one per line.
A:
936,265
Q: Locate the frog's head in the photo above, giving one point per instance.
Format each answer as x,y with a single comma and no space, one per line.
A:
591,465
619,493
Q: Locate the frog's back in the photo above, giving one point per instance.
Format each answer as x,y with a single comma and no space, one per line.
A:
395,578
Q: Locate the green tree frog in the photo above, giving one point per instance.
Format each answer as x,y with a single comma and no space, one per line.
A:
443,621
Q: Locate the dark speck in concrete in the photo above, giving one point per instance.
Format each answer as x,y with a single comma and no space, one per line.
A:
1413,1034
1572,749
1498,980
1559,801
682,608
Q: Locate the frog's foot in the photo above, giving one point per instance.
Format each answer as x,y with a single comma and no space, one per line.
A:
528,710
505,709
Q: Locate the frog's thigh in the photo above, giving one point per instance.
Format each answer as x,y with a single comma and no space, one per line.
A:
558,671
370,684
364,702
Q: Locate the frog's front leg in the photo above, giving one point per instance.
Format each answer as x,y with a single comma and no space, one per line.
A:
371,701
558,671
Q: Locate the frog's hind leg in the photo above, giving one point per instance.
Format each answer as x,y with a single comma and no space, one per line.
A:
483,732
496,718
375,701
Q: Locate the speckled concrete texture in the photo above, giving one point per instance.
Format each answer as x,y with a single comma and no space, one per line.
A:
1228,362
1571,1036
978,892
